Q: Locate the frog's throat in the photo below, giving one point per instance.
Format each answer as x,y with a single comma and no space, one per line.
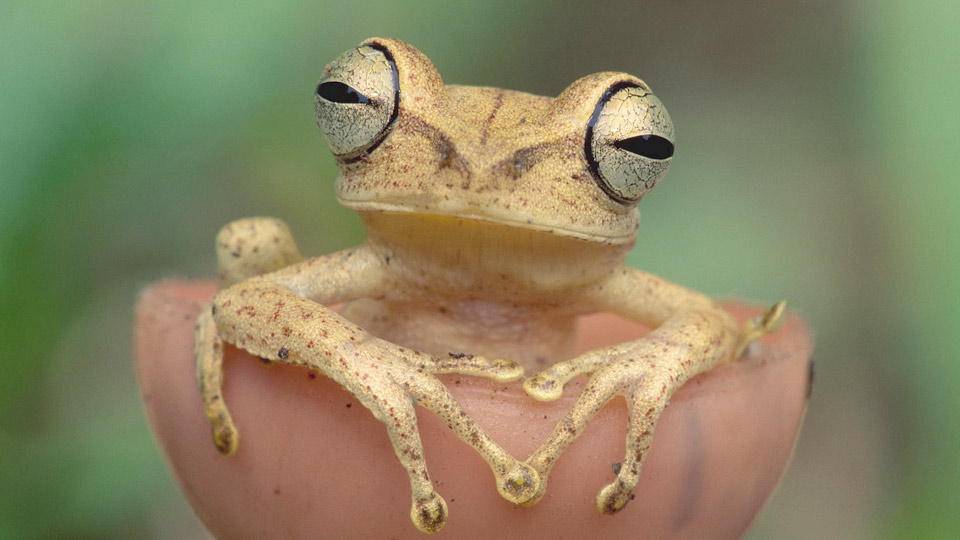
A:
529,224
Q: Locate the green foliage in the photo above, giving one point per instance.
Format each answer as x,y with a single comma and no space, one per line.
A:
916,132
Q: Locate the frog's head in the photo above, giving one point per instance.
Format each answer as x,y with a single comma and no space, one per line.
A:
575,166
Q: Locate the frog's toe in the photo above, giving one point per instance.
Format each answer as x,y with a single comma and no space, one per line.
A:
543,387
430,514
614,496
225,437
505,370
755,328
520,485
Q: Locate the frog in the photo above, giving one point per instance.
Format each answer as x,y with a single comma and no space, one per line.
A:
494,219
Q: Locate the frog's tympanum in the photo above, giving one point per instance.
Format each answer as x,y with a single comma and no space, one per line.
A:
494,219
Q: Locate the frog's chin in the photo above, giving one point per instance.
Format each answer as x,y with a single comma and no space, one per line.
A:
529,224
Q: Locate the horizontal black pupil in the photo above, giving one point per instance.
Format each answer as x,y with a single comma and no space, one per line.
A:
338,92
648,146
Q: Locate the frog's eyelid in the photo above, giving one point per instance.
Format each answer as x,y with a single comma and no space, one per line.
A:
592,122
395,75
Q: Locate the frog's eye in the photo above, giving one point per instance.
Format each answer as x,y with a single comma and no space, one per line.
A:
629,142
357,101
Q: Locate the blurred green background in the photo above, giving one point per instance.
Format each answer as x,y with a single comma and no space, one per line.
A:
817,161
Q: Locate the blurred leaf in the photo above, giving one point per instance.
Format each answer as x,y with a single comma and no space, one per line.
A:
908,92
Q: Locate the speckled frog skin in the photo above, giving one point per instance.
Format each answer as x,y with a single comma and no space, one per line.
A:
494,218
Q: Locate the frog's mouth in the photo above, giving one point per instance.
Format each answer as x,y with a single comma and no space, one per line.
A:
427,213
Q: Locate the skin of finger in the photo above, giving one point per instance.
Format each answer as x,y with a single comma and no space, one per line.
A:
312,462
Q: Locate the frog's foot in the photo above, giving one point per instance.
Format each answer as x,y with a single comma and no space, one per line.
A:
517,482
644,409
758,326
281,326
391,403
634,375
254,246
548,384
208,350
564,433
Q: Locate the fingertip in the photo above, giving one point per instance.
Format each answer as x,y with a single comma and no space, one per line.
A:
520,485
613,497
542,388
430,515
507,370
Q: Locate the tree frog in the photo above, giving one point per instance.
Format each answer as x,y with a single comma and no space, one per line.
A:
494,219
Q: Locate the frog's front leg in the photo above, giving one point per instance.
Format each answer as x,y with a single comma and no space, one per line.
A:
251,247
691,336
645,372
276,317
279,325
245,248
